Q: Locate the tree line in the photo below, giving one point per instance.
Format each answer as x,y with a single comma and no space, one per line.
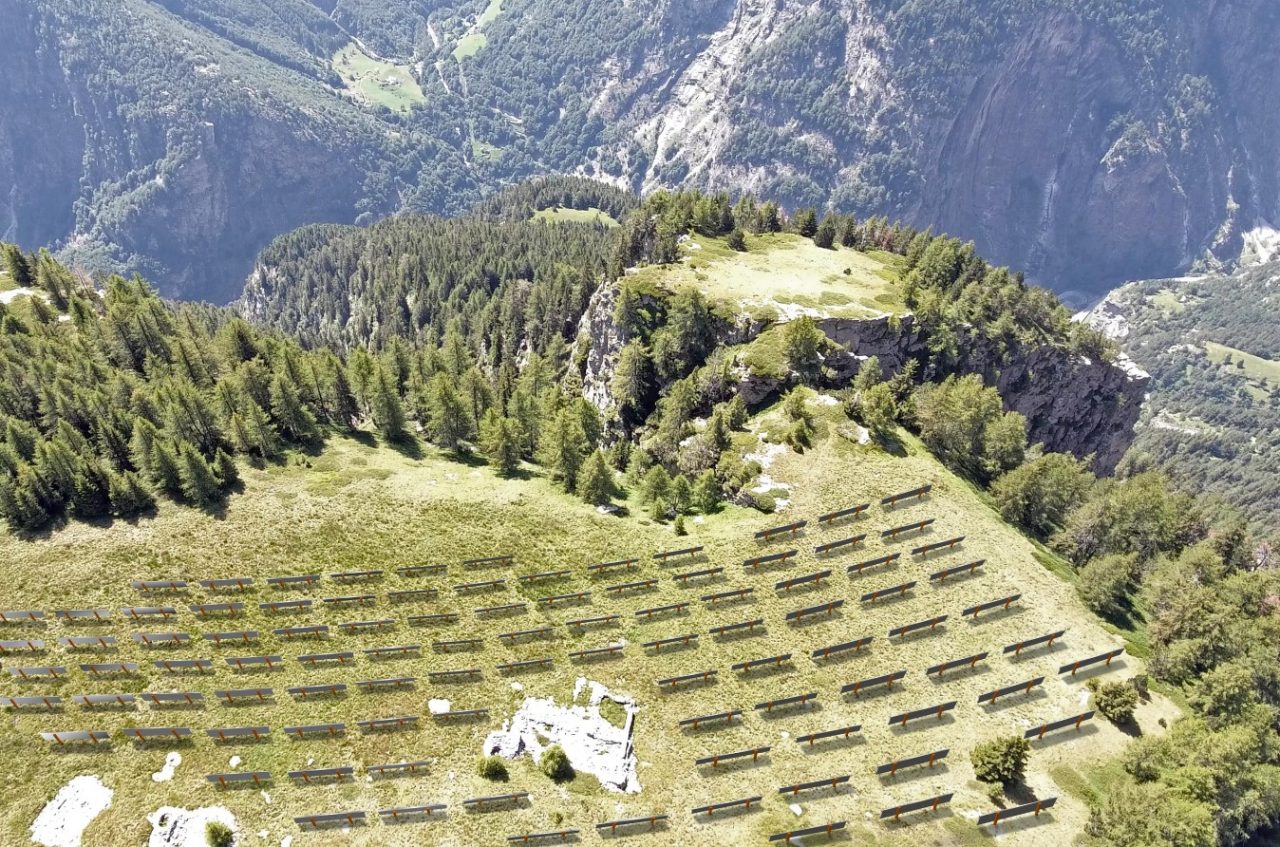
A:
110,401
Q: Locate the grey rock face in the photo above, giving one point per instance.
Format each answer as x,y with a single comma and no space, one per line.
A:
1072,404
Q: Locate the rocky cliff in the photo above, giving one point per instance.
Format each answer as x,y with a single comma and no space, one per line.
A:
137,140
1086,142
1072,404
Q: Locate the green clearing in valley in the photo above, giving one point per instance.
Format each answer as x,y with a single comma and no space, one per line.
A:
1167,300
561,214
475,39
376,81
1255,367
785,275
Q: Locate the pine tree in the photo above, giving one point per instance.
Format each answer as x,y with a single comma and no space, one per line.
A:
656,484
707,492
165,473
128,495
449,423
769,219
237,342
342,403
292,417
198,482
90,496
564,446
363,371
140,443
595,482
737,416
225,468
477,395
681,493
718,431
388,412
825,235
632,379
22,437
805,222
19,266
20,504
500,441
737,241
803,345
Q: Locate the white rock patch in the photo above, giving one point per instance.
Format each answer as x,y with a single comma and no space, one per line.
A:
171,762
174,827
63,820
592,744
438,707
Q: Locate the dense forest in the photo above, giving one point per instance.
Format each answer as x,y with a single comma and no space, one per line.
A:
111,400
1213,418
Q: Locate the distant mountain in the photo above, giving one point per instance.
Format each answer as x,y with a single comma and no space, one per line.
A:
1212,346
1085,141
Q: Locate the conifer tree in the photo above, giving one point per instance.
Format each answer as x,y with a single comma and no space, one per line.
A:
19,502
737,415
449,422
198,482
363,372
595,482
292,417
225,468
681,493
825,235
477,395
19,266
769,220
707,492
129,496
500,441
164,470
805,222
90,496
388,412
656,484
341,399
632,378
564,446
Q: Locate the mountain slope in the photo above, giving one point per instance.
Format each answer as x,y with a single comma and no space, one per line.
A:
179,138
356,506
1140,129
1212,346
1087,143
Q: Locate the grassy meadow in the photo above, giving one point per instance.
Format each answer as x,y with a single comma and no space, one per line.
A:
358,506
475,39
377,82
563,214
785,275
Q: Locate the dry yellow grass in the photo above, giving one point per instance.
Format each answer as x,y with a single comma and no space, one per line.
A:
785,273
362,507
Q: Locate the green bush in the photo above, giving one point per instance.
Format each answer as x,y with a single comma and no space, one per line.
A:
555,764
493,768
218,834
1116,700
1001,759
1105,583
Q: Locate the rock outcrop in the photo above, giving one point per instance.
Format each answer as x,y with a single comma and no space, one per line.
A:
1072,404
